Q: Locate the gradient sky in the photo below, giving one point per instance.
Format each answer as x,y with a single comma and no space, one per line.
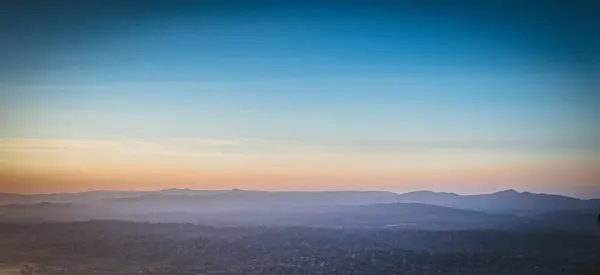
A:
452,96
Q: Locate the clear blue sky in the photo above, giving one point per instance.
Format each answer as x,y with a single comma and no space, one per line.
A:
465,76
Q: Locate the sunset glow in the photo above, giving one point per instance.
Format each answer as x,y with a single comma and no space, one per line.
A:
309,98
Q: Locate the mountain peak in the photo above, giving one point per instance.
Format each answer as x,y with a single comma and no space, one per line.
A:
507,192
426,192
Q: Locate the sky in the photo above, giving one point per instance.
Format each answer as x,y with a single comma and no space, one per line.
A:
458,96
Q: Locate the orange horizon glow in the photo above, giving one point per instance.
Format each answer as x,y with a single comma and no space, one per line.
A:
366,97
54,166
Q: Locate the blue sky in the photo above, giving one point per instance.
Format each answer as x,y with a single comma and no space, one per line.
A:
475,78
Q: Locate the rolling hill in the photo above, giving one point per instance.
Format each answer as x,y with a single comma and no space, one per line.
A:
508,201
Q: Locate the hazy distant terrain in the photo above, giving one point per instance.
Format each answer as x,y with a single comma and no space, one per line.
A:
507,210
509,201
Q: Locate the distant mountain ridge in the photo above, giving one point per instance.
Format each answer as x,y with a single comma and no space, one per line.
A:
507,200
507,209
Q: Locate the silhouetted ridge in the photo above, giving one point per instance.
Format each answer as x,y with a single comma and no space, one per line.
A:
502,201
508,192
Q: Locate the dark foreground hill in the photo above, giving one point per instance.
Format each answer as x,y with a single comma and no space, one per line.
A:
111,247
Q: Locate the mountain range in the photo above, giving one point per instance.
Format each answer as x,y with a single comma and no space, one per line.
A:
503,201
508,209
510,201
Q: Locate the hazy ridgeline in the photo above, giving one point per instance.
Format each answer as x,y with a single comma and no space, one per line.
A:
507,210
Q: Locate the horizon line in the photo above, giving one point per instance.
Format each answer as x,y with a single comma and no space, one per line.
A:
295,190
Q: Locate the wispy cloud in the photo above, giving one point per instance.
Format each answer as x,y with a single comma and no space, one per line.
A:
165,146
396,145
257,146
35,145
